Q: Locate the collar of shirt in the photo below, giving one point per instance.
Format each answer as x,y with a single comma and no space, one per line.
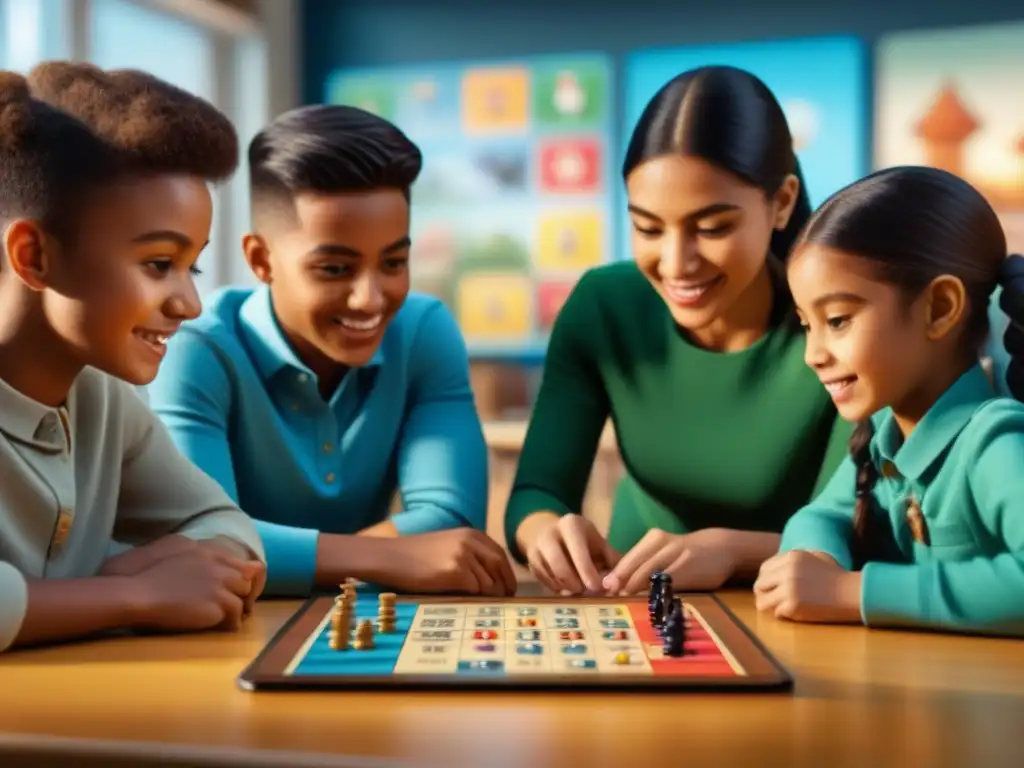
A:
267,345
935,432
29,421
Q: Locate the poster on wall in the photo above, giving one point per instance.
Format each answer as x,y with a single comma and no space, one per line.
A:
820,82
513,203
952,99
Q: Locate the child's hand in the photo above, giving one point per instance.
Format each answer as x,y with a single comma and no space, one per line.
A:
456,560
138,559
696,561
200,588
570,556
808,586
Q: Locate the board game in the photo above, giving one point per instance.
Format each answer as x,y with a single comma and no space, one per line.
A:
387,641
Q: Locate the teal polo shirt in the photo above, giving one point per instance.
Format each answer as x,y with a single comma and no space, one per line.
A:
246,410
964,464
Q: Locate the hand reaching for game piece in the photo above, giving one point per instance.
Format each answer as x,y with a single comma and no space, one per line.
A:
808,586
200,588
569,556
456,560
697,561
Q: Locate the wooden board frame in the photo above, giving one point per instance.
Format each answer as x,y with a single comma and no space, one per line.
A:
764,673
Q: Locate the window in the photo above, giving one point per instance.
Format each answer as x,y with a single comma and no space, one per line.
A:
124,34
32,31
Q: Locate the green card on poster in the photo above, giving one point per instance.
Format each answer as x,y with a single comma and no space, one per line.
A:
570,94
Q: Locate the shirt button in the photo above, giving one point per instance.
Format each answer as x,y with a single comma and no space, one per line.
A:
294,406
330,477
303,378
328,447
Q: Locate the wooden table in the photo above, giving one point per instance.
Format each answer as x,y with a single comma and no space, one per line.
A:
862,698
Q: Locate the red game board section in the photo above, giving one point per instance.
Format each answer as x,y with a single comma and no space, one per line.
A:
703,657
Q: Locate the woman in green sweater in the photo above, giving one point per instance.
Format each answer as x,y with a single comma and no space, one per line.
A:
693,351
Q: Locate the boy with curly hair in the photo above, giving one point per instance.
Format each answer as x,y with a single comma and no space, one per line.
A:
104,209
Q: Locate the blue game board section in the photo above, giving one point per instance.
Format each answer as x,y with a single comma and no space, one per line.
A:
322,660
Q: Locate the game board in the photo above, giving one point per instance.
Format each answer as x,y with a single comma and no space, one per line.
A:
516,643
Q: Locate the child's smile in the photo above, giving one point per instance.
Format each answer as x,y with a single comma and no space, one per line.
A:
864,338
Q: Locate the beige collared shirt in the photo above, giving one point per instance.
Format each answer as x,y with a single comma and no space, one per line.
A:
74,481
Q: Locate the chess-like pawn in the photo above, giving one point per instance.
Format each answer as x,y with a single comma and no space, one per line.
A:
386,612
665,596
364,636
653,592
339,636
674,632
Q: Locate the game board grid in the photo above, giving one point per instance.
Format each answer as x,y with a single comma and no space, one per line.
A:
704,655
441,638
318,658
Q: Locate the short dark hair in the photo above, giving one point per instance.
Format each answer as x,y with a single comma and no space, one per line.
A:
914,224
157,127
731,119
48,159
328,149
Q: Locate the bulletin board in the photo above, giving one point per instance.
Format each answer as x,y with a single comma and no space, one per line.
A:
952,99
821,84
515,200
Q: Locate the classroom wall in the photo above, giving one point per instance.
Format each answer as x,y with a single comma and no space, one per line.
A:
376,32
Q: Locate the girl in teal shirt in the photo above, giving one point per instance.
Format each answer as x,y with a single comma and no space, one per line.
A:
923,525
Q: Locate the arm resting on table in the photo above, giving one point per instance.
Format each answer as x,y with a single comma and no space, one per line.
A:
983,594
41,610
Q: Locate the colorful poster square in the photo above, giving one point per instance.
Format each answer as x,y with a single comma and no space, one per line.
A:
950,99
371,93
495,306
570,240
569,166
571,94
427,105
551,297
496,100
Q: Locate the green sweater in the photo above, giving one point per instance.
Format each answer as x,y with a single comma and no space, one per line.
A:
736,440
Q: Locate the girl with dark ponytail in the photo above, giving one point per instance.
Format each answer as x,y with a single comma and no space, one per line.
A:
924,524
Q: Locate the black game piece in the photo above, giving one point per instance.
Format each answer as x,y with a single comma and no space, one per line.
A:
664,600
654,595
674,632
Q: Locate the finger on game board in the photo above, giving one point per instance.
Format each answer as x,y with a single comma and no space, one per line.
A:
628,564
661,561
483,583
580,541
561,567
543,574
498,567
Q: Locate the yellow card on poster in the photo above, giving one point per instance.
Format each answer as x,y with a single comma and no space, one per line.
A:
495,305
495,100
570,241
